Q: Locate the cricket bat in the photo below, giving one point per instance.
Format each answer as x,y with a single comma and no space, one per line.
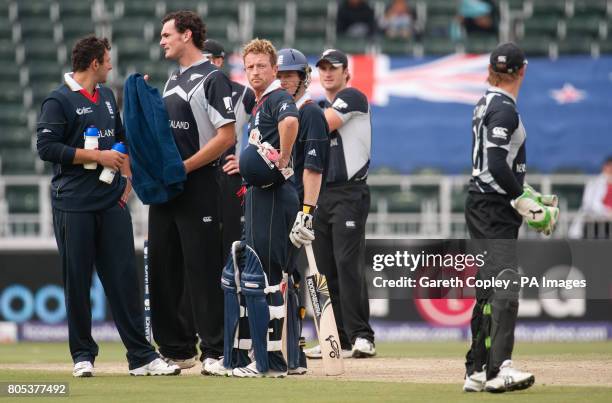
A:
325,322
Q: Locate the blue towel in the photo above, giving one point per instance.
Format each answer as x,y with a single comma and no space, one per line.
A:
158,172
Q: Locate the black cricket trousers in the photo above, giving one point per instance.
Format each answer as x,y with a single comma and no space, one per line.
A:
103,238
185,261
339,247
491,219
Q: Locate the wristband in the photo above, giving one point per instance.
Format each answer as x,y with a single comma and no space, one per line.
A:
307,208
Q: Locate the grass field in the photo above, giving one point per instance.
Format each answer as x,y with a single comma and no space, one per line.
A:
115,386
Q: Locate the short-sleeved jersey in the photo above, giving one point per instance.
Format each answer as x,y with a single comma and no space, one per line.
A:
350,146
274,106
65,115
199,101
496,123
311,148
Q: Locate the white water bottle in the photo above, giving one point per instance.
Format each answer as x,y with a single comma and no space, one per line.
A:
91,143
108,174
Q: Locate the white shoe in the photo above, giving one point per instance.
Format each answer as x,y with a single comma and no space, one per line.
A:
314,353
363,348
250,371
297,371
182,364
156,367
210,366
83,369
475,382
509,379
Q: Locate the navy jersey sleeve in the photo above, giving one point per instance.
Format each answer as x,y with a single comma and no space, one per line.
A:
501,122
350,102
315,129
218,92
51,134
283,106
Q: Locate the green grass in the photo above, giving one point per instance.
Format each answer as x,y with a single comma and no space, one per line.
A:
178,389
31,353
122,388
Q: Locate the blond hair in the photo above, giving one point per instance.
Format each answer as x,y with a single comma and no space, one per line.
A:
260,46
496,78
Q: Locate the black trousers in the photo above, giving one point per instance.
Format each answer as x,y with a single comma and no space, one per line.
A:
339,248
103,238
491,218
185,262
232,218
232,214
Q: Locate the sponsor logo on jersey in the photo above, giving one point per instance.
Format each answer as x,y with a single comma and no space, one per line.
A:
107,133
284,106
195,76
312,153
110,109
46,131
521,168
207,219
333,142
257,119
177,124
84,110
500,133
339,104
227,101
173,77
350,224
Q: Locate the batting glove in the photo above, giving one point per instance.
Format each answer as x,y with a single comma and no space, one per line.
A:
302,233
540,217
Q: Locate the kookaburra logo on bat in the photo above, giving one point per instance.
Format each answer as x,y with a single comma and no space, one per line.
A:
335,348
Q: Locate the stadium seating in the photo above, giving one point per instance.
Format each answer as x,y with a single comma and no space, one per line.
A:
36,37
22,199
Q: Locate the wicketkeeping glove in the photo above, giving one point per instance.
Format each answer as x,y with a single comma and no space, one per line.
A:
547,200
302,233
540,217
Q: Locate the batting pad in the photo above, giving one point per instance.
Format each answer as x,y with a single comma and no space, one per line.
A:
229,284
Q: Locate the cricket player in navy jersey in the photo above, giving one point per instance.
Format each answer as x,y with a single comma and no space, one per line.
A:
310,154
343,207
185,241
257,275
498,200
91,221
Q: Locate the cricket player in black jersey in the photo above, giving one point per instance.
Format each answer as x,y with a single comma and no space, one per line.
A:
230,183
310,154
271,204
185,233
91,221
497,202
341,214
